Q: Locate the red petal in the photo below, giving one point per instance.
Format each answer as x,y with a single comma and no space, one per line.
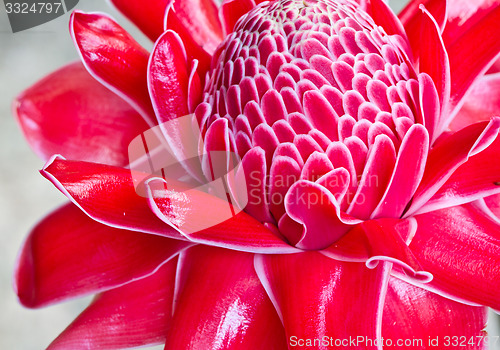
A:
207,219
318,297
133,315
482,103
106,194
168,78
430,51
460,246
231,11
463,15
114,58
68,112
148,16
221,304
379,240
198,19
471,52
407,173
442,163
410,14
68,255
423,320
477,178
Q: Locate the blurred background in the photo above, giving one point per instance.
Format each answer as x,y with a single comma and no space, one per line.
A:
25,196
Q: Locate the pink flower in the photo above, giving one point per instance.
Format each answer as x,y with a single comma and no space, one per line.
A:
387,223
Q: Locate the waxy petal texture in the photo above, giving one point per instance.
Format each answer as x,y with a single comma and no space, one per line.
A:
168,78
114,58
319,297
130,316
441,165
68,255
106,194
422,320
472,52
481,104
220,304
69,112
195,208
148,17
460,246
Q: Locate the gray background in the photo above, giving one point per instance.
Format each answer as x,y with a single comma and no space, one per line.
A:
25,196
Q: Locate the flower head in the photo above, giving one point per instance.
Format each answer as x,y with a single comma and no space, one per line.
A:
371,194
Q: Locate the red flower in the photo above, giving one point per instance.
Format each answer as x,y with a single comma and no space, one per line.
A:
386,228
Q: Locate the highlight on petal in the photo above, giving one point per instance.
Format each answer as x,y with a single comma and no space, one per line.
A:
197,20
410,15
382,240
68,255
168,78
478,177
419,319
319,297
106,194
136,314
471,52
147,16
208,219
69,112
114,58
408,172
481,104
460,246
221,304
441,164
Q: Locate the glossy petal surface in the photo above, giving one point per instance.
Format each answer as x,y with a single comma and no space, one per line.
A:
133,315
220,304
69,112
68,255
338,300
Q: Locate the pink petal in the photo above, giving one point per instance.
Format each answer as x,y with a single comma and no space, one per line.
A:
68,255
208,219
424,320
385,17
463,15
319,297
471,52
106,194
382,240
114,58
460,246
147,16
482,102
407,174
220,304
375,178
409,16
133,315
168,78
430,51
231,10
477,178
68,112
441,163
197,19
317,209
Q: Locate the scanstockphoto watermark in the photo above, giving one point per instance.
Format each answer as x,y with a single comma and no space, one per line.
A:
171,160
26,14
438,342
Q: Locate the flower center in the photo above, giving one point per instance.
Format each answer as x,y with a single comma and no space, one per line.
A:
309,93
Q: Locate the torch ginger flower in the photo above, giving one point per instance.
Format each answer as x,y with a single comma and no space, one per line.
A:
367,151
